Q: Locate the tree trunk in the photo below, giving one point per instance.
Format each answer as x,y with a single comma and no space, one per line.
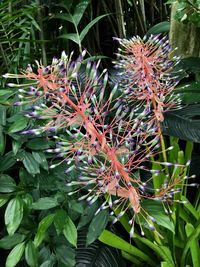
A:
184,36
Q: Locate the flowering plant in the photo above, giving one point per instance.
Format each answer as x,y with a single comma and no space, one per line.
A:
110,136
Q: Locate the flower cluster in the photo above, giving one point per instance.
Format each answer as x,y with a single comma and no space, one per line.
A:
98,131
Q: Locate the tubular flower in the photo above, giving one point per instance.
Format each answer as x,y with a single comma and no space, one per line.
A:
147,73
98,134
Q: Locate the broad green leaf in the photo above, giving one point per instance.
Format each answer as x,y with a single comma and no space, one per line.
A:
190,240
194,245
60,220
89,26
2,141
117,242
44,203
19,124
16,145
71,36
41,159
7,161
8,242
38,143
155,209
3,200
183,123
15,255
70,231
42,228
97,226
64,16
163,26
191,64
88,215
31,254
3,116
7,184
13,215
31,164
190,208
79,11
164,264
189,93
66,255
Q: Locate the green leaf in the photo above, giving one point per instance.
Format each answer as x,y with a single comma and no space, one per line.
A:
194,245
66,255
155,209
88,215
183,123
7,184
64,16
71,36
79,11
31,254
15,255
70,231
19,124
89,26
44,203
41,159
2,141
3,200
59,220
9,242
13,215
38,144
3,115
191,64
159,28
31,164
7,161
189,93
42,228
97,226
113,240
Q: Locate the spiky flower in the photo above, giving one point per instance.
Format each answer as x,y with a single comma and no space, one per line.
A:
98,134
147,73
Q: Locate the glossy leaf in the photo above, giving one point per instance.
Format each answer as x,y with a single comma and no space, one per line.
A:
2,141
155,209
79,11
88,215
71,36
15,255
65,255
7,184
97,226
184,123
161,27
38,143
13,215
7,161
89,26
59,220
31,165
70,231
42,228
41,159
8,242
194,245
31,254
3,200
19,124
113,240
44,203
